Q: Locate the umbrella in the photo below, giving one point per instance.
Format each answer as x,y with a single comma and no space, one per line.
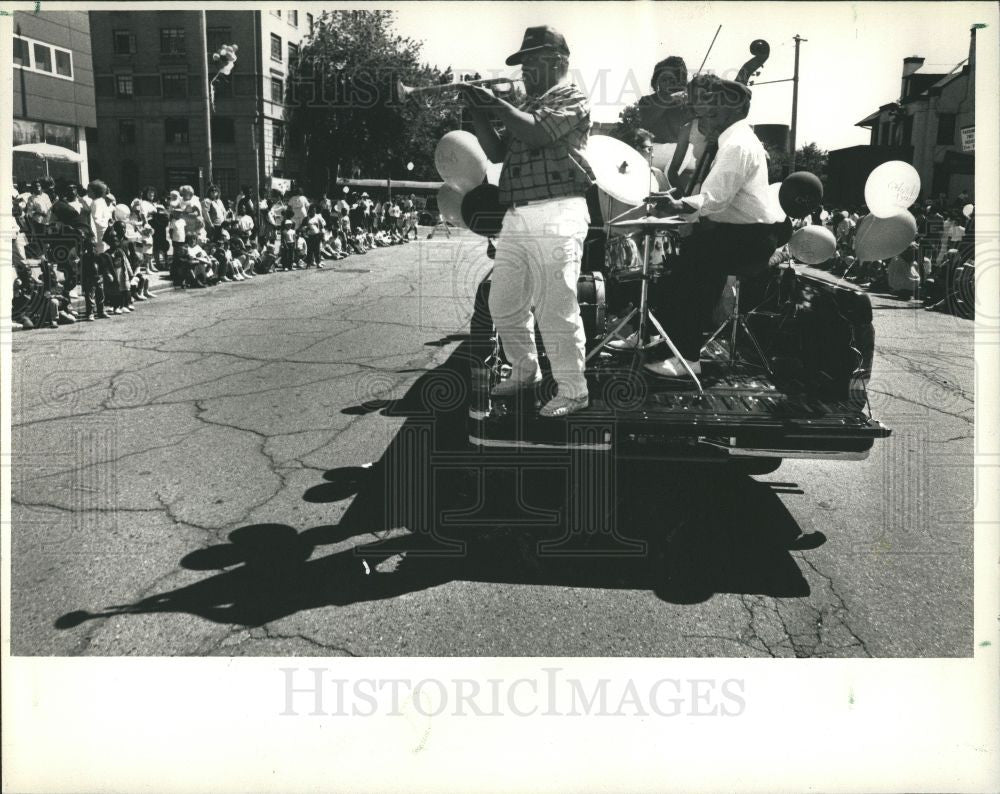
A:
49,152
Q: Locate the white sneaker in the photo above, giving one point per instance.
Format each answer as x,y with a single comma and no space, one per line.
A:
558,407
672,368
510,387
630,342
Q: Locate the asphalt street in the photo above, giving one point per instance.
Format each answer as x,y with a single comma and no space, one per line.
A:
253,470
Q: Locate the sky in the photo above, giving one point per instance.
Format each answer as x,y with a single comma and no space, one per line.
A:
850,64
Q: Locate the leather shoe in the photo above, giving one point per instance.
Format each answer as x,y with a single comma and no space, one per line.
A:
672,368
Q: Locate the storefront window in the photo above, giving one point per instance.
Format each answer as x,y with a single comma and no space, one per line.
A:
61,135
27,132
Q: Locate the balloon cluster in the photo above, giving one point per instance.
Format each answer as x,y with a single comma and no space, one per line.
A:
890,189
890,228
463,165
225,56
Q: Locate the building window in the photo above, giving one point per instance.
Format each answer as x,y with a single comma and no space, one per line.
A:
310,23
293,54
276,14
277,90
27,132
276,48
124,42
64,64
126,132
217,37
293,18
277,135
223,130
43,58
175,86
37,56
22,53
124,88
175,130
946,129
172,41
61,135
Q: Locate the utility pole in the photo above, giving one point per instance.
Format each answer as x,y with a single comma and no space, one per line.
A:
208,103
795,103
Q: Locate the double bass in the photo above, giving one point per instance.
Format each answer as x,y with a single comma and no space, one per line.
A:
760,51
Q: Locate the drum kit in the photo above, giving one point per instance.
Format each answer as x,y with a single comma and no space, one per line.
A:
624,180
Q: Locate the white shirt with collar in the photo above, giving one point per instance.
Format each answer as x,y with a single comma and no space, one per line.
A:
735,190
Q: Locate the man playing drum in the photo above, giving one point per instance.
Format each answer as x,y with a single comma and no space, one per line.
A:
544,179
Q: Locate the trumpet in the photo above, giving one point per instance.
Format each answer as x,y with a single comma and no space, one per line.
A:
405,92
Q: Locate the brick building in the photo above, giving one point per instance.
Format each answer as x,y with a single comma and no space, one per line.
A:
53,91
149,77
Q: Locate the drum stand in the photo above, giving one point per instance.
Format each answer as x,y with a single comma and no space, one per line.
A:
645,313
737,322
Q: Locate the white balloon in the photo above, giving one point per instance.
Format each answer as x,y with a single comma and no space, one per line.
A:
968,209
122,212
882,238
812,245
460,159
450,203
493,173
891,187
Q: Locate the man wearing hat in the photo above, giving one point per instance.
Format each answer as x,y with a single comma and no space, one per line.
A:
543,181
736,230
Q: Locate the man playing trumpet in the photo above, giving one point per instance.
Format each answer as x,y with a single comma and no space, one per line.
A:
543,181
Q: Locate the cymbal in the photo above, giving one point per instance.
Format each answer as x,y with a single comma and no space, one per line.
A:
650,223
620,170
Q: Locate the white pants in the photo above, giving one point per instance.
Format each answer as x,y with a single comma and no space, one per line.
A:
535,273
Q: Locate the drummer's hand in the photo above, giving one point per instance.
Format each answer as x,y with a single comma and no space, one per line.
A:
664,204
476,97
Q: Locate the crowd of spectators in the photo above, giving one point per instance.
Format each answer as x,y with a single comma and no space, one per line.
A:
937,268
87,238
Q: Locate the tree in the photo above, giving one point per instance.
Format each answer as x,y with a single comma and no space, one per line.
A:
343,107
809,158
628,123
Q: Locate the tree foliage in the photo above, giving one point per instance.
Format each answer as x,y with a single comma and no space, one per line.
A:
343,109
808,158
628,123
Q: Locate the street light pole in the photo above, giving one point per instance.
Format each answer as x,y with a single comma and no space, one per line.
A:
795,102
208,101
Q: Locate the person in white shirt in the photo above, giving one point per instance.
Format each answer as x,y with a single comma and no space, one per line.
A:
99,214
736,230
300,207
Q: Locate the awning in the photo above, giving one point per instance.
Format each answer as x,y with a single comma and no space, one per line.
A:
48,151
